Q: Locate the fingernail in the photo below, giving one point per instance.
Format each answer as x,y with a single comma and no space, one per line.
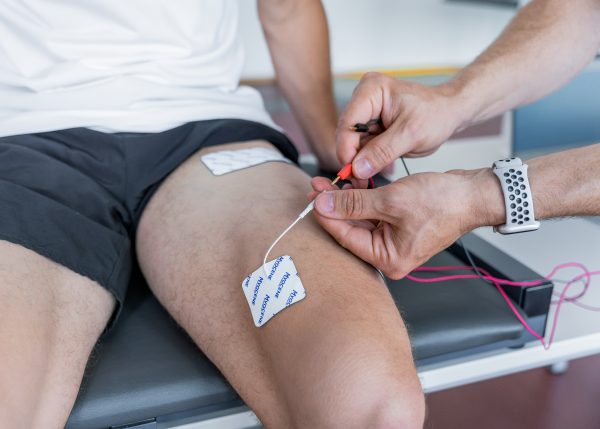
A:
324,202
363,168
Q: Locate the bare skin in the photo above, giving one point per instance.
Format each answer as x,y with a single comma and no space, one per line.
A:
339,358
296,33
50,319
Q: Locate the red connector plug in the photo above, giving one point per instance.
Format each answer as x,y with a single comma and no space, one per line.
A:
343,174
346,172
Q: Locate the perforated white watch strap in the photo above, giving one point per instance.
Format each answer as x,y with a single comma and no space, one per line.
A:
520,216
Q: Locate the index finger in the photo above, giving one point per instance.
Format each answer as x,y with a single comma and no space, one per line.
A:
366,104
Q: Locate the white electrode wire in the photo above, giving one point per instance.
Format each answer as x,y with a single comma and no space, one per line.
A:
306,211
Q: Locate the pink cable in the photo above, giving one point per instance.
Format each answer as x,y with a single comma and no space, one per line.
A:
497,282
572,299
489,277
562,298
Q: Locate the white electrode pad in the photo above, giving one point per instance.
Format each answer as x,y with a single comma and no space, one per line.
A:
226,161
272,288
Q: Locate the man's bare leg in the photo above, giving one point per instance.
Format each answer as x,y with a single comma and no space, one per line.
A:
340,358
50,319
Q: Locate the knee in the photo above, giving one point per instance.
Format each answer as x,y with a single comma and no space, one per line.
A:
405,412
393,407
375,402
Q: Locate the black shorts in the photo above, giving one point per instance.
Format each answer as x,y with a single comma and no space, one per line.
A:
75,196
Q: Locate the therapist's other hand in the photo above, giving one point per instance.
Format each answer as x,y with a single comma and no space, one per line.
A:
415,121
422,214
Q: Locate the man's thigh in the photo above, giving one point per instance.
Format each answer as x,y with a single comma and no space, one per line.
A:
50,319
338,358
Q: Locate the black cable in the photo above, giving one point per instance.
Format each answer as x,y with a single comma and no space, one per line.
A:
405,167
459,241
361,128
470,258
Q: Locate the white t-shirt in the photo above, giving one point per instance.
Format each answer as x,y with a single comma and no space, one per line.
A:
121,65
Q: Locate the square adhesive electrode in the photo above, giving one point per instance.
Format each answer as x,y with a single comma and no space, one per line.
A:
273,288
227,161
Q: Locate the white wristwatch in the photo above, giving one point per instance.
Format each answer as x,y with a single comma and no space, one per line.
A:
518,200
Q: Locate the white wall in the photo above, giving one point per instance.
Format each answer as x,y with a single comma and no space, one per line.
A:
375,34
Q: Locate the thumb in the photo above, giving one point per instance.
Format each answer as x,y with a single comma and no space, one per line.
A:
353,204
379,152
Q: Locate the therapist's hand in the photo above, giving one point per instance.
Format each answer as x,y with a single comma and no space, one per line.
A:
416,120
422,214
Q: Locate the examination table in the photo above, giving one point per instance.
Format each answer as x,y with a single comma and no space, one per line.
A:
147,373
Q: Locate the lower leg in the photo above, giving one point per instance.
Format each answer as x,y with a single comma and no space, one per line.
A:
50,319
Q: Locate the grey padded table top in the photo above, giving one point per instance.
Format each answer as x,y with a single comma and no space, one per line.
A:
449,317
